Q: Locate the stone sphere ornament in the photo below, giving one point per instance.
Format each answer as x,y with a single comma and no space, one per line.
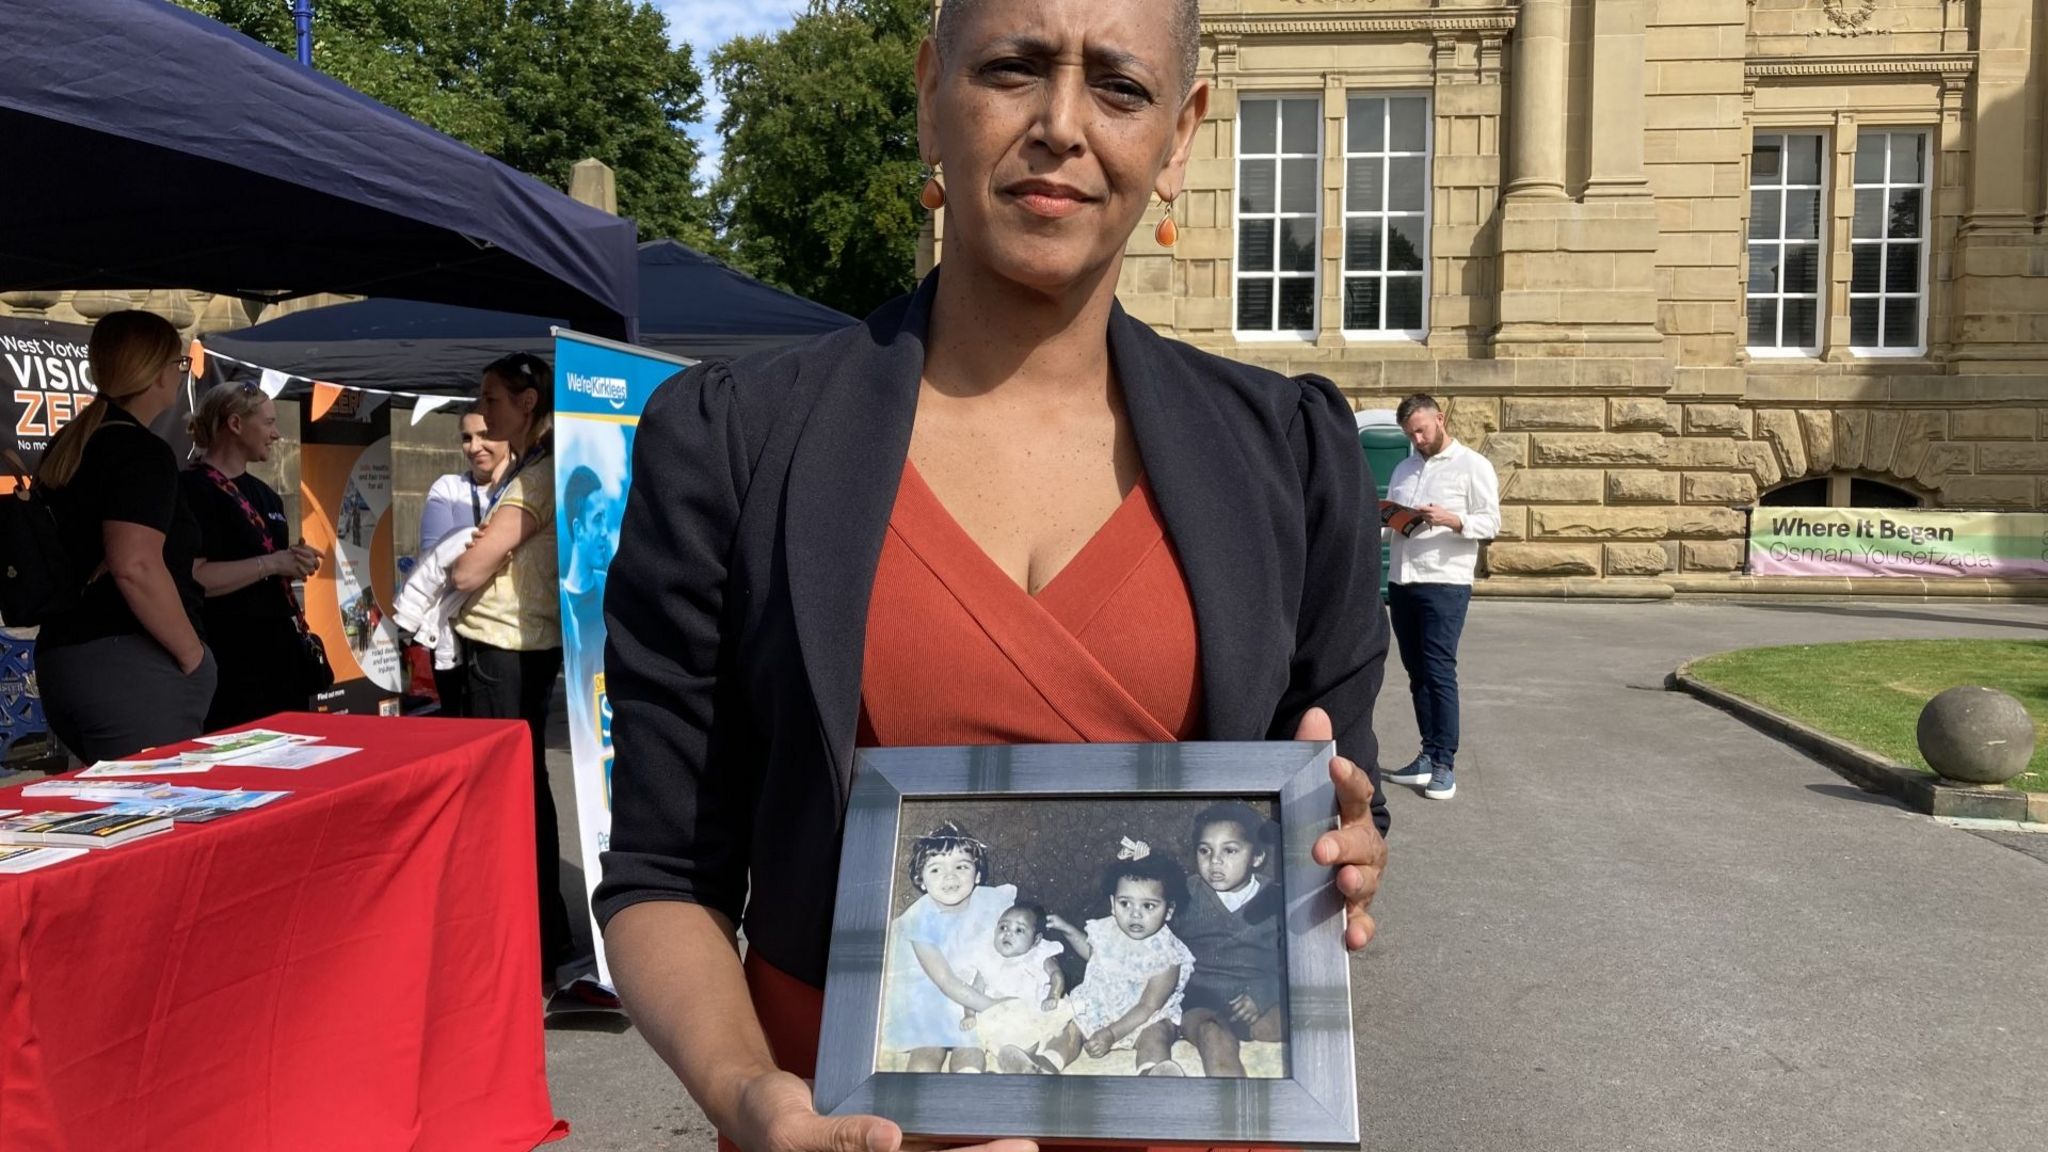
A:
1976,735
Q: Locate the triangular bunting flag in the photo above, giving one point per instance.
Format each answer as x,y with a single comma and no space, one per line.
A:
425,404
324,397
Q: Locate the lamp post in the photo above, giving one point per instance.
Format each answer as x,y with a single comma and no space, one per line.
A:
302,15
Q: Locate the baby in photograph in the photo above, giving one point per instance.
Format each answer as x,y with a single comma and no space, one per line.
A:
1019,969
1137,968
930,946
1231,921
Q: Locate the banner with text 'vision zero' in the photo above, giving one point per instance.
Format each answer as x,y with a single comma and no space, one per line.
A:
1897,542
600,389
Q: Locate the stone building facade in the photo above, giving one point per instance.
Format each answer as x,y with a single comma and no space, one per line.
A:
1663,258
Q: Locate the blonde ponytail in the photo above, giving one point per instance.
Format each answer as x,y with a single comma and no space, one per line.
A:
126,351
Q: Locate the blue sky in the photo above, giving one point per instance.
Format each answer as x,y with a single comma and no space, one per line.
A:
706,24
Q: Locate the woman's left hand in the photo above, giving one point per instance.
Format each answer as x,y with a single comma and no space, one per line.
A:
1355,848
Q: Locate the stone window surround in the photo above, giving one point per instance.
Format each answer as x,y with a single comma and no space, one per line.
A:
1419,334
1883,242
1823,256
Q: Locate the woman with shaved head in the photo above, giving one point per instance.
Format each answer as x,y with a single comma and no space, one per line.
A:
999,511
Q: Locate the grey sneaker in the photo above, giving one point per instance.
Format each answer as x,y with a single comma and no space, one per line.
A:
1442,785
1417,772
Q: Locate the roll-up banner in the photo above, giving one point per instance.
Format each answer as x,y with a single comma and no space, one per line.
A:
600,390
345,497
44,381
1897,542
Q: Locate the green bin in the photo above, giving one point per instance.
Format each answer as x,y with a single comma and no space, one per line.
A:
1385,445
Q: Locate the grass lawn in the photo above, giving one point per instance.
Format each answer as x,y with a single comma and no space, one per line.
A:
1870,692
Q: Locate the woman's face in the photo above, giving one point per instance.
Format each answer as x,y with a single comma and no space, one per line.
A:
1224,856
506,412
484,454
257,431
949,877
1056,122
1139,907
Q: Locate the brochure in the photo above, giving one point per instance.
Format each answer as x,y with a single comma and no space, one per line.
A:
264,735
291,756
196,805
220,749
28,857
103,829
116,768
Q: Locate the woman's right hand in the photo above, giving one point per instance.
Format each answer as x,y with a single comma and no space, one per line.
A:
775,1115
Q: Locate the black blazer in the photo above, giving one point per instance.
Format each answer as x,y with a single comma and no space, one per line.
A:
737,604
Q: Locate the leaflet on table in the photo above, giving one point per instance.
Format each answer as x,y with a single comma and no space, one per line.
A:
220,749
292,756
137,796
114,768
29,857
102,829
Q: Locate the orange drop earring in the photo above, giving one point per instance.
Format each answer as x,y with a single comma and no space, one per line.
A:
933,195
1166,233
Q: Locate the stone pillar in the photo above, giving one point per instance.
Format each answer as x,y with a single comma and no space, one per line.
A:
1616,116
591,182
2001,299
1537,102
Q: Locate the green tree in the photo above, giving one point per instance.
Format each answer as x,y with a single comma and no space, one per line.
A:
538,84
817,188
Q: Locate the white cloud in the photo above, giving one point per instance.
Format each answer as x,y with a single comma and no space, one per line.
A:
706,24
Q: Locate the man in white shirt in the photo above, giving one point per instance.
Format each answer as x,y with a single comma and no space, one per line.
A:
1456,497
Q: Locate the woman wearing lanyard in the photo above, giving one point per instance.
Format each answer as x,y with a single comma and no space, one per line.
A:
246,560
457,501
511,627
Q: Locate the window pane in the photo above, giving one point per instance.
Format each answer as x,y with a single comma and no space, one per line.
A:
1298,245
1802,159
1869,214
1404,243
1255,245
1297,304
1255,304
1901,323
1802,215
1908,156
1362,244
1405,184
1766,164
1863,323
1410,125
1298,122
1404,303
1362,302
1866,267
1902,268
1802,268
1255,186
1763,267
1366,183
1366,127
1903,215
1763,323
1763,215
1298,185
1801,324
1256,122
1870,158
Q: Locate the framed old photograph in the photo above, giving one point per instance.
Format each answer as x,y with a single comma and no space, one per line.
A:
1101,942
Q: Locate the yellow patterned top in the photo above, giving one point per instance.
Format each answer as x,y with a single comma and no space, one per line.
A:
519,609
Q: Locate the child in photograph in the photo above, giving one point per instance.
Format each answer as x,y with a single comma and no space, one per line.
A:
1137,968
1020,970
928,945
1231,921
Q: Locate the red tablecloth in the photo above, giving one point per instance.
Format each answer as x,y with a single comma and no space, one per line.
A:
354,967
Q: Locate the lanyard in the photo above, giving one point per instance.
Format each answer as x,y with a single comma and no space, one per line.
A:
476,508
536,452
256,521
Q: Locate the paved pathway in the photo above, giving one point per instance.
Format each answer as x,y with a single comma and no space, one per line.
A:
1640,925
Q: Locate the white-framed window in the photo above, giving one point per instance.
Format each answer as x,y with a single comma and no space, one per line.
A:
1279,214
1888,245
1786,178
1386,216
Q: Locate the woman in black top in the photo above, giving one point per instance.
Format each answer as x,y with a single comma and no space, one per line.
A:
247,561
125,668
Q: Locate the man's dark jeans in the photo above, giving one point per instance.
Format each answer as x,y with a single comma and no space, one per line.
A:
1428,618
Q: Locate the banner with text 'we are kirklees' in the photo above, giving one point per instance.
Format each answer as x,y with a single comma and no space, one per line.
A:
600,390
1897,542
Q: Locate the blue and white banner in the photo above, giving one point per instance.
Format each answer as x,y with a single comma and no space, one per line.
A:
600,390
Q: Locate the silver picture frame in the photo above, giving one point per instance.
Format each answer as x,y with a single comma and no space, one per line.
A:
1314,1104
